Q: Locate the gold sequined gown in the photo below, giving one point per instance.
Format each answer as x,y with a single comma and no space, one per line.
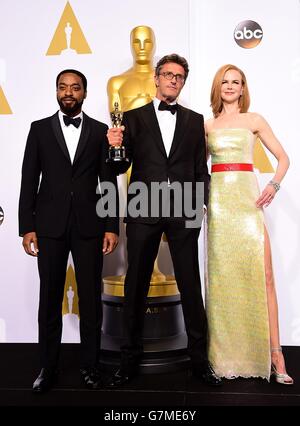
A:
236,300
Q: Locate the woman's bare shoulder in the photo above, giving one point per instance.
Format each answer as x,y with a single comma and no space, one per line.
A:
209,124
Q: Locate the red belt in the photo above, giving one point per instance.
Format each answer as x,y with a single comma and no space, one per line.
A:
232,167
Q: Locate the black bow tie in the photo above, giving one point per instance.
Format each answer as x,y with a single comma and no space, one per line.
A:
163,106
69,120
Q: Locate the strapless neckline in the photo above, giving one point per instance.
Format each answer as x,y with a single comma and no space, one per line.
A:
231,128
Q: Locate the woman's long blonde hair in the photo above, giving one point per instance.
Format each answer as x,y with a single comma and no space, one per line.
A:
216,102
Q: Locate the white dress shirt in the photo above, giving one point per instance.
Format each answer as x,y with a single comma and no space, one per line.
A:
167,123
71,134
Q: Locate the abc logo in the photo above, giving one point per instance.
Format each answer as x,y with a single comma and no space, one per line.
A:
248,34
1,216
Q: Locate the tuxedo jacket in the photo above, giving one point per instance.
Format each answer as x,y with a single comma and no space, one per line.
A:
144,144
52,186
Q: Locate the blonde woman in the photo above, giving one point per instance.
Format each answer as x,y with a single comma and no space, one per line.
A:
241,299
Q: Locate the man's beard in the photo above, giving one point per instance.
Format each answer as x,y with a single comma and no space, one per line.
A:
70,109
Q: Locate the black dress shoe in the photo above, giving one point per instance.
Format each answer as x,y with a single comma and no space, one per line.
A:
45,380
121,377
207,376
91,378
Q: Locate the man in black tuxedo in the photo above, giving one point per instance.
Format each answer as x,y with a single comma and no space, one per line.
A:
64,159
165,142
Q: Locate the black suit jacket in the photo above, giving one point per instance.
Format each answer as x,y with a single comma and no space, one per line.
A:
187,158
52,185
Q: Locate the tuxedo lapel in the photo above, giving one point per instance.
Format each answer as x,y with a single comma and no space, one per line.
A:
84,135
150,120
180,128
59,135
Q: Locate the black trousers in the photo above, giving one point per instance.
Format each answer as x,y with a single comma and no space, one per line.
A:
142,245
52,263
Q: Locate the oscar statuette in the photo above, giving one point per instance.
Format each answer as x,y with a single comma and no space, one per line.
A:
116,153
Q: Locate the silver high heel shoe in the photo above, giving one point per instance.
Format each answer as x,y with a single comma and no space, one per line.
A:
282,378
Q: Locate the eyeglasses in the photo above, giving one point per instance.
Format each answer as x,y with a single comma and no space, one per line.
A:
169,76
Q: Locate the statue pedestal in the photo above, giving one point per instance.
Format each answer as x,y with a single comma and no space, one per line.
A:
164,334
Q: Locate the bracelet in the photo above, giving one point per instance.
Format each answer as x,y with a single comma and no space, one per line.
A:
275,185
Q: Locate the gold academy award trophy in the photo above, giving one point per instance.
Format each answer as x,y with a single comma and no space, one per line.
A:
133,89
116,153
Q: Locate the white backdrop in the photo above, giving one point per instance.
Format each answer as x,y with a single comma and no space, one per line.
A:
202,31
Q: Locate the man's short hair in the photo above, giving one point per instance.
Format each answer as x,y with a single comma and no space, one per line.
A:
174,58
82,76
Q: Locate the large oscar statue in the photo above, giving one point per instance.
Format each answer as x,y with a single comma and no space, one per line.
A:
164,327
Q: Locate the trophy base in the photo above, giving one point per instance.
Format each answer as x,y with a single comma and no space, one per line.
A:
164,336
116,159
166,355
117,153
